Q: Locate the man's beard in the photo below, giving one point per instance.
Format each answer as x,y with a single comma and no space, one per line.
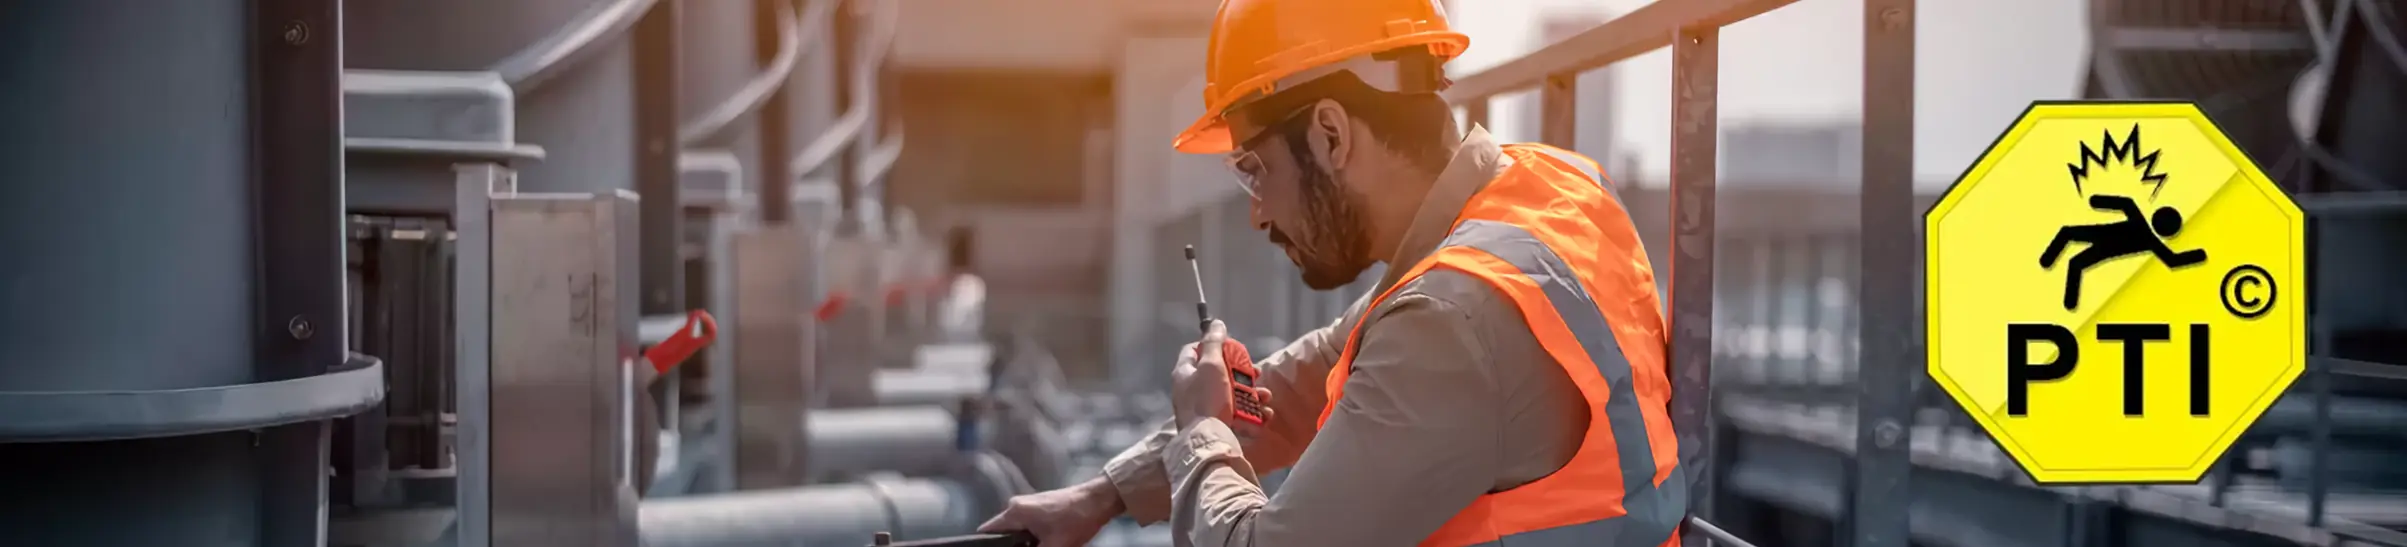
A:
1335,250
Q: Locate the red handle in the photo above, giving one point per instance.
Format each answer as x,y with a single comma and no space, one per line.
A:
896,292
835,304
699,329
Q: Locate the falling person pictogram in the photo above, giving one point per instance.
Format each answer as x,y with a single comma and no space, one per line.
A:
2130,236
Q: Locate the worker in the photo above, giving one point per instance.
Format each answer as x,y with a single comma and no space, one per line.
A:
962,307
1503,383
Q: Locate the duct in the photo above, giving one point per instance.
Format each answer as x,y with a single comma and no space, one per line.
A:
922,440
836,514
912,440
970,357
898,387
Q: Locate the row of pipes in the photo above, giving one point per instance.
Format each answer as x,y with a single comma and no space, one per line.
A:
189,177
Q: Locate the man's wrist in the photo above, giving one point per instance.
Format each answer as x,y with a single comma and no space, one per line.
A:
1185,423
1102,496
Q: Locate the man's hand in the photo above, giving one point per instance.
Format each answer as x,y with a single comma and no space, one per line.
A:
1199,384
1068,516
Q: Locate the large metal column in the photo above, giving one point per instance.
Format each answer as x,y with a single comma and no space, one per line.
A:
175,205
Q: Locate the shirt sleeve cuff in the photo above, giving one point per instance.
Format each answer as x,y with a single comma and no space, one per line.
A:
1200,446
1138,476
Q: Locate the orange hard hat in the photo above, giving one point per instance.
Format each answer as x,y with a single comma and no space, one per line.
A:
1258,44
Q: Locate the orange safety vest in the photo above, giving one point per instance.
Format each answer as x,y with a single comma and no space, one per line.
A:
1551,235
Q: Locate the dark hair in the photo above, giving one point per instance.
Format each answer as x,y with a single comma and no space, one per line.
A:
1418,126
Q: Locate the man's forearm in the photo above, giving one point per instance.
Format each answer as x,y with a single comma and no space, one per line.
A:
1137,479
1293,374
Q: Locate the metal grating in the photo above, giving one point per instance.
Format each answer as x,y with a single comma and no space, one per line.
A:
2268,14
2237,58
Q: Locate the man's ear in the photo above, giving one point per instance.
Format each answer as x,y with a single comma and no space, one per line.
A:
1331,134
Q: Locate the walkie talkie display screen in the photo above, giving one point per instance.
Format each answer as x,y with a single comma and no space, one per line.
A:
1243,379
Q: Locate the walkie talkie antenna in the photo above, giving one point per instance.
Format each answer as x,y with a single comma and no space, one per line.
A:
1245,405
1203,310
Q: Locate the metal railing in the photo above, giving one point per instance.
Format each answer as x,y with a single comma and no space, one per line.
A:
1692,28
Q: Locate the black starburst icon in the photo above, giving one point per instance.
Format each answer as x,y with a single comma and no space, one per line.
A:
2134,234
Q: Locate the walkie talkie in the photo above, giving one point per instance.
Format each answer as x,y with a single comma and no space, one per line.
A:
1241,363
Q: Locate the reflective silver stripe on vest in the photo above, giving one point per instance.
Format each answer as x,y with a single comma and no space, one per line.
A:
1585,169
1653,512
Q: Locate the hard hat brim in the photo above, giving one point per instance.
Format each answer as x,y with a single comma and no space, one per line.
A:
1208,135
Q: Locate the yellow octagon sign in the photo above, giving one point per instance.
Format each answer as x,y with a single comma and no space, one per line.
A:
2115,292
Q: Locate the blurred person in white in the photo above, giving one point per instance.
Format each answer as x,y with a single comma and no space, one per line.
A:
960,314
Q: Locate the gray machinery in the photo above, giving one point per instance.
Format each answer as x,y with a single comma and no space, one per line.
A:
193,350
173,200
2315,91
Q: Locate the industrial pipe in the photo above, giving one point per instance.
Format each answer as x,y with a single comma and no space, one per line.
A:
912,387
916,441
922,440
836,514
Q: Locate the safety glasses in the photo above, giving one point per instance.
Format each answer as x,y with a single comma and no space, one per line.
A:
1246,165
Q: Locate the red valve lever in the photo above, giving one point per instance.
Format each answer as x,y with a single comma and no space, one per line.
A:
827,310
699,329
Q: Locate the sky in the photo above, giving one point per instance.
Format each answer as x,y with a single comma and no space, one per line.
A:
1978,64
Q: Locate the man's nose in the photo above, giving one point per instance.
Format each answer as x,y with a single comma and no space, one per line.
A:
1253,212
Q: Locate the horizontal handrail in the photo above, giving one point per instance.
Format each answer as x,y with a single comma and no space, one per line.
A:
2353,203
1720,536
1647,29
583,37
763,86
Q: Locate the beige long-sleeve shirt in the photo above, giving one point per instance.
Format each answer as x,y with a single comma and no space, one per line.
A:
1451,398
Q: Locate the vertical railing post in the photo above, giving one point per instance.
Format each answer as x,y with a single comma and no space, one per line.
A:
775,198
1696,75
1476,113
1889,234
2319,378
1558,110
1779,277
1818,249
656,173
473,188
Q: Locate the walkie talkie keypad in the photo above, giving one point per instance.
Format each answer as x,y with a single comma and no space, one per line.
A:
1241,382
